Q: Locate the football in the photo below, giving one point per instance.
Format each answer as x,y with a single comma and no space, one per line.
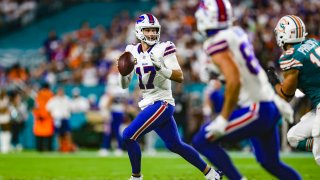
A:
126,63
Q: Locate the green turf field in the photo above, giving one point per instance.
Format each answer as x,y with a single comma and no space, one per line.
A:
164,166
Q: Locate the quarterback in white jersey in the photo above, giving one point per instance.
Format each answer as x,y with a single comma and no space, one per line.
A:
154,86
156,65
246,85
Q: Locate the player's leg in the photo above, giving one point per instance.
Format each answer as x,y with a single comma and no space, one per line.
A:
266,149
316,140
215,154
146,120
316,149
150,140
299,136
217,99
106,136
168,132
242,124
5,137
117,121
266,139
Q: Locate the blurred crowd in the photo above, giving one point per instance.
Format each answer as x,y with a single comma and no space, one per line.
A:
16,14
17,11
86,56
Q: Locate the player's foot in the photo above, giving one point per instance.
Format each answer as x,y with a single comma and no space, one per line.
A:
135,178
316,149
103,152
214,174
151,152
118,152
19,147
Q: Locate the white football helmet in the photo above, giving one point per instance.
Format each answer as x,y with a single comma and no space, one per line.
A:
213,15
290,29
147,21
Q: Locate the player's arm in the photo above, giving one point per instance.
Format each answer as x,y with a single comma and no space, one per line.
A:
168,67
125,80
207,104
224,61
287,88
172,64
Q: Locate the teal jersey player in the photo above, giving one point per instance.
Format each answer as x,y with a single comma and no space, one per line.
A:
300,63
305,57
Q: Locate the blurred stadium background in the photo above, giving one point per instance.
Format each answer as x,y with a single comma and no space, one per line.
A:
73,43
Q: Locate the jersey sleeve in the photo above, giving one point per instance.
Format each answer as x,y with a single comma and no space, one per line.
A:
129,48
214,47
291,59
170,49
169,55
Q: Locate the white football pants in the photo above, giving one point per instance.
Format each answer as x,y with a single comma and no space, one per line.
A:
303,130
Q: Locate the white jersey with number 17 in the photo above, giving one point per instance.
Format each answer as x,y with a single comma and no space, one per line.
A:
154,86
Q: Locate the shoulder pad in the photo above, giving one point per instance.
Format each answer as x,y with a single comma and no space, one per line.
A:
170,48
129,47
289,61
215,47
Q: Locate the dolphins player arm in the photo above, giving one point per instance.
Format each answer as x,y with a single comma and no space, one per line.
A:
287,88
225,62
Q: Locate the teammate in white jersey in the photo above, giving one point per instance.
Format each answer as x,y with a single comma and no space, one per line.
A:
112,106
156,65
246,86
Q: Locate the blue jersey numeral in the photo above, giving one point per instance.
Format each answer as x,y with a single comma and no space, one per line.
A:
152,74
251,60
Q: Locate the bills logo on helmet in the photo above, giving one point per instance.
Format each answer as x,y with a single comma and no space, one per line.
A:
140,19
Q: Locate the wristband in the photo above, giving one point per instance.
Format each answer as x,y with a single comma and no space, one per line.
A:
165,72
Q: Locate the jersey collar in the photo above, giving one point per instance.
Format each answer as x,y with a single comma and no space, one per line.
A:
140,48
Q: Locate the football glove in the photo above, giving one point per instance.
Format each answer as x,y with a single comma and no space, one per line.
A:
157,62
272,76
216,128
284,108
